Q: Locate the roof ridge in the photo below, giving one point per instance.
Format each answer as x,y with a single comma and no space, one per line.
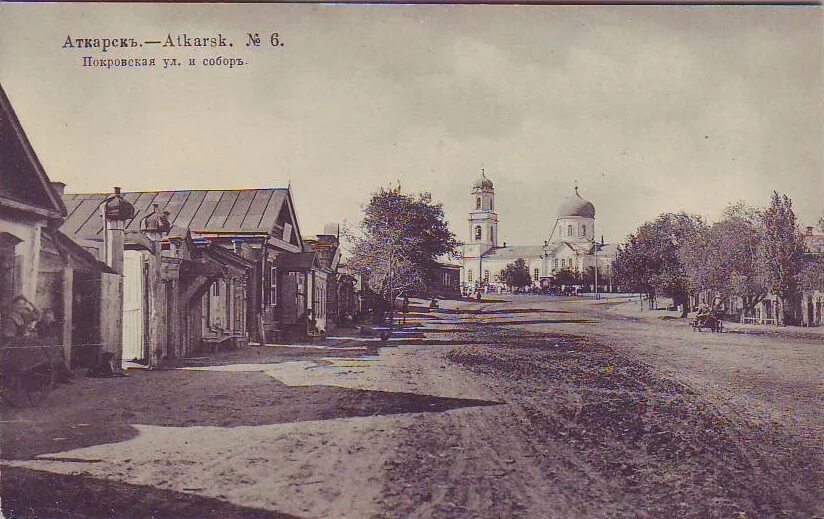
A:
101,193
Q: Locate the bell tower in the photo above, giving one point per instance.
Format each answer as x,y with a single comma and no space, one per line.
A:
483,221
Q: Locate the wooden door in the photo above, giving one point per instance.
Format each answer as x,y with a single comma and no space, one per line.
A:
133,306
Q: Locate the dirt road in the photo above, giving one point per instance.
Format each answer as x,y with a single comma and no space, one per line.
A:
530,407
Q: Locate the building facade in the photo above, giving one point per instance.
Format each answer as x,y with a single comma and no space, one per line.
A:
41,264
569,245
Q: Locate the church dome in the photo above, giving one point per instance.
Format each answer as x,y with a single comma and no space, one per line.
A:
482,182
575,205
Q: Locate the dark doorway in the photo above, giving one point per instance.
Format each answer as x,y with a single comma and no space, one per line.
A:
85,319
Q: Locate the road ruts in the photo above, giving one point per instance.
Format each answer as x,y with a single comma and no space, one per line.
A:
585,431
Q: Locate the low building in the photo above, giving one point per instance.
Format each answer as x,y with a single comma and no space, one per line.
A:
40,263
259,226
325,307
448,280
812,278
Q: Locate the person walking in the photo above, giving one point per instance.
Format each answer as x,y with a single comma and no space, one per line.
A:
405,307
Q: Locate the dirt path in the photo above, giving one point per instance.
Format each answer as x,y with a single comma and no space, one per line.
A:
531,408
591,431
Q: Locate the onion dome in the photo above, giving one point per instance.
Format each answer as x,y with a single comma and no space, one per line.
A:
482,182
118,208
575,205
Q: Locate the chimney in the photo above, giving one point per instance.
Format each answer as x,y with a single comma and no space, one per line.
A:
602,239
58,187
504,244
809,229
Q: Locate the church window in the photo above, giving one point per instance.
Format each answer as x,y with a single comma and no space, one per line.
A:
556,263
492,234
491,205
583,230
569,230
477,233
478,203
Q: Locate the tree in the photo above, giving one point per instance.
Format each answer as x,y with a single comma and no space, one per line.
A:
397,242
565,277
723,257
516,275
650,262
780,252
821,223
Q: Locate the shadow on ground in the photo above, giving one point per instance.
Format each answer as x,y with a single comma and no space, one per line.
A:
31,494
98,411
468,311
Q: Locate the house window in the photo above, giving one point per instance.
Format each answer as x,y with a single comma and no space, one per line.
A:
569,230
469,275
477,233
583,230
491,205
273,285
478,203
556,263
486,276
563,264
492,234
535,275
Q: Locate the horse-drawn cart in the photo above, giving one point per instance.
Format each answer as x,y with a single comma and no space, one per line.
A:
709,321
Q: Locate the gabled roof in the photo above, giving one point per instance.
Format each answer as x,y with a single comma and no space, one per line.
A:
24,184
81,256
297,262
225,257
514,252
245,211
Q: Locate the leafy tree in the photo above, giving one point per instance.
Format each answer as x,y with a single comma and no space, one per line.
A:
650,262
398,240
780,252
723,257
565,277
516,275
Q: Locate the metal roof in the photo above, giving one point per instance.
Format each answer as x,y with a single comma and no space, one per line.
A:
515,252
252,211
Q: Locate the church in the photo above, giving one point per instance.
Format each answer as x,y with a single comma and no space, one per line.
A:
570,244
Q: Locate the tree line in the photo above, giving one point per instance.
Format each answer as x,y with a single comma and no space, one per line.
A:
749,253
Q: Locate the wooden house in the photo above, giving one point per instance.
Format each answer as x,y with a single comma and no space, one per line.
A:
326,247
255,229
39,262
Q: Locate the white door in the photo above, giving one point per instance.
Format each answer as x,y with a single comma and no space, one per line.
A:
133,305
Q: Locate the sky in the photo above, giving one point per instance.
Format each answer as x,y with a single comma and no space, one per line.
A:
651,109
